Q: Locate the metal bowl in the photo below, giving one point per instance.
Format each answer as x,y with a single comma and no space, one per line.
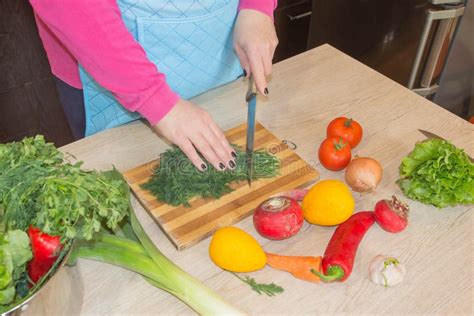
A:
60,294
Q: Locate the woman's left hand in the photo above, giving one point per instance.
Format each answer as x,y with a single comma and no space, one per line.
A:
255,41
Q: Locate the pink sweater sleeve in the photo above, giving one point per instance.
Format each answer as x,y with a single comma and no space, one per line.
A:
94,33
264,6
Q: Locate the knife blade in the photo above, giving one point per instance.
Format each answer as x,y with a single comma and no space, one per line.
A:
431,135
251,98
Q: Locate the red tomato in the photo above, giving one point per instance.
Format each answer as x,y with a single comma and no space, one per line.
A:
334,153
348,129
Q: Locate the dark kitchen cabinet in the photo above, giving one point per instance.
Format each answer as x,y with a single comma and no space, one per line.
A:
292,24
29,103
406,40
382,34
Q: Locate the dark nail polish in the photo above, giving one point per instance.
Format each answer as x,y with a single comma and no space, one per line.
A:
245,73
233,154
232,164
265,91
221,165
203,167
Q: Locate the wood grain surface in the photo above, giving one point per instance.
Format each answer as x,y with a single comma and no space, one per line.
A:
186,226
306,92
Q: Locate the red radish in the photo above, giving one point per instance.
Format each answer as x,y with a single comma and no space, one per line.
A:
278,218
392,215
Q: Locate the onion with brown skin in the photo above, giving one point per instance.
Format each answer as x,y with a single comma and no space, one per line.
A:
363,174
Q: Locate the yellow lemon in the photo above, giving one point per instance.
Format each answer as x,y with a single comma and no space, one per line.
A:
328,203
233,249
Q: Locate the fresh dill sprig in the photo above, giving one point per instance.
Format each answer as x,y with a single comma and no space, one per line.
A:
269,289
176,180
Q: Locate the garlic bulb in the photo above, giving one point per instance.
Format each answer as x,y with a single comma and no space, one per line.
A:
386,271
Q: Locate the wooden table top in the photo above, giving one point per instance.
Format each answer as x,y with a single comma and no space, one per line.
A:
306,92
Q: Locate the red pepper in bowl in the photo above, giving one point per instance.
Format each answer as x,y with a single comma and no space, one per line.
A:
46,249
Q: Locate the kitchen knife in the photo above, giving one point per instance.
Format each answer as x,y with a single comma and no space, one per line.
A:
251,99
431,135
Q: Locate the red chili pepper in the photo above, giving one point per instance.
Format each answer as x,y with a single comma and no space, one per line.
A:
339,257
45,250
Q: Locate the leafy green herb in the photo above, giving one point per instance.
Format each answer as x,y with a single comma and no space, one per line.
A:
269,289
37,187
175,180
437,173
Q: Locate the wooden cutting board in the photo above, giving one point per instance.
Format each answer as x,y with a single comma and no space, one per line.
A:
185,226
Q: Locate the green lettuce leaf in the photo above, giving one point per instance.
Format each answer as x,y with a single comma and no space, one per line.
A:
19,245
7,295
15,252
437,173
5,270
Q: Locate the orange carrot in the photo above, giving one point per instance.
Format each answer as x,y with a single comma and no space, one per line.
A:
299,266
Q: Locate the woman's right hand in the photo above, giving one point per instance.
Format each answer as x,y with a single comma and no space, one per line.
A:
192,128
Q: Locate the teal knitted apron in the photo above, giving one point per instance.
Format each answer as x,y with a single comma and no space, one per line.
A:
190,41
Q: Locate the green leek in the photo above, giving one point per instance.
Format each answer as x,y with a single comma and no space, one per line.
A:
144,258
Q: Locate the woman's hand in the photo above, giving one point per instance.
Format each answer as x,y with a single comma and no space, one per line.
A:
190,128
255,41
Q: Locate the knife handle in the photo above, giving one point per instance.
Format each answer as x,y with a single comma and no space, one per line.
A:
252,89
